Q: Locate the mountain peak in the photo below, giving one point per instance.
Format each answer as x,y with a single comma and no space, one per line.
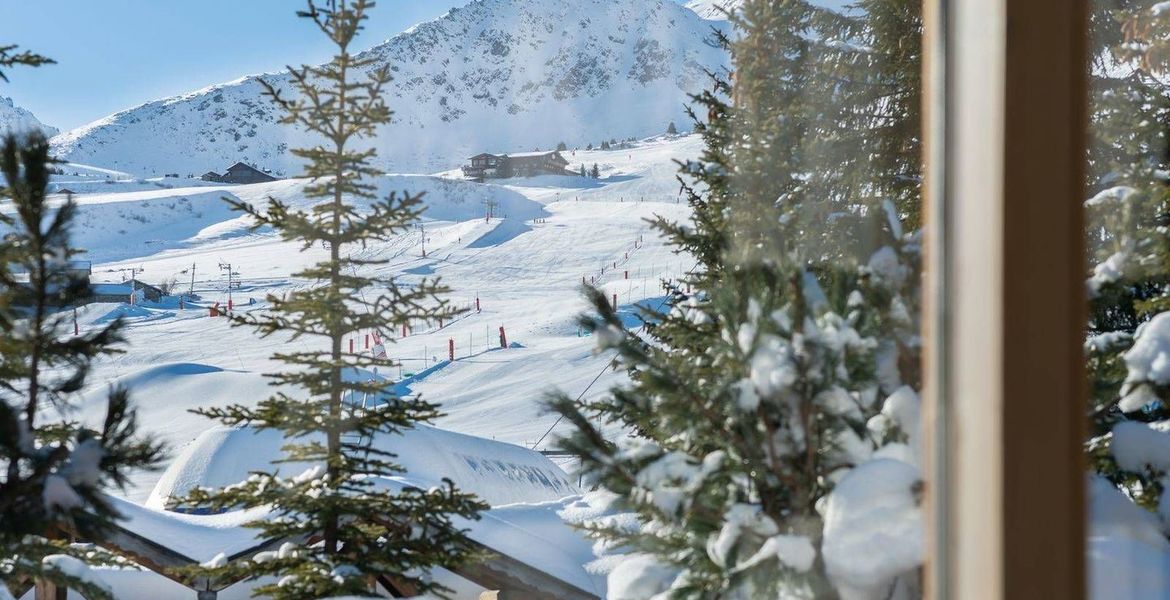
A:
500,75
715,10
14,119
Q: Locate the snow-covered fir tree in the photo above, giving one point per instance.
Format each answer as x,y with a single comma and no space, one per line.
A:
773,411
55,471
349,525
1128,281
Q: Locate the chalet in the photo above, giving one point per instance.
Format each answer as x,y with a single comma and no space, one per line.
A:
239,173
120,292
524,164
80,270
483,166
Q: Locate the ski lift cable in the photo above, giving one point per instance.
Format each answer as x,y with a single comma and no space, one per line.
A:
607,365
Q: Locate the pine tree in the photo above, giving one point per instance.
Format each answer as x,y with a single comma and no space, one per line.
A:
751,397
583,173
1129,249
56,471
868,132
11,56
561,147
595,172
704,238
867,153
769,127
368,527
671,129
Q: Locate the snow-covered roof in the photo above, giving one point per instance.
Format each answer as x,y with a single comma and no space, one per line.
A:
111,289
497,472
515,154
539,535
530,154
242,167
533,501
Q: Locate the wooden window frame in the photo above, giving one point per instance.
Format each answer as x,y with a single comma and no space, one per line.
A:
1006,89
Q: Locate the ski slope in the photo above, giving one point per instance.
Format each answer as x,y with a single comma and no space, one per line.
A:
525,267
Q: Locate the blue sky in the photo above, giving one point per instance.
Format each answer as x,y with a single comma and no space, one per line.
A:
115,54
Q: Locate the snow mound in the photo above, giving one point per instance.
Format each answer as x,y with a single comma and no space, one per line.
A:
497,472
1148,362
132,314
873,528
639,576
1137,446
1128,555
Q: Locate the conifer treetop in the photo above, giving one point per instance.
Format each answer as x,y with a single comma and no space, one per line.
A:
349,521
55,472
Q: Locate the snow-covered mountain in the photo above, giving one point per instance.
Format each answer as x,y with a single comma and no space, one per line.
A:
16,119
714,9
495,75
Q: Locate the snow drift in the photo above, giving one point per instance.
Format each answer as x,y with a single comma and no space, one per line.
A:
498,473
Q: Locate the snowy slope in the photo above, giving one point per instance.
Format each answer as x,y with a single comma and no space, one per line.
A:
717,10
498,473
714,9
525,267
526,274
15,119
144,218
499,75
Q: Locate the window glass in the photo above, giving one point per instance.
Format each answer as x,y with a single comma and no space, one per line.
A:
583,298
1128,281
